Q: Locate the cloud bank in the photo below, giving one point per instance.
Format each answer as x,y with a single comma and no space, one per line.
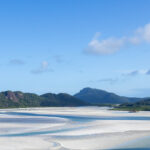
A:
112,44
136,72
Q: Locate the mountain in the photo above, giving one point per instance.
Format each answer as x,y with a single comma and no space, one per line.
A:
19,99
96,96
86,96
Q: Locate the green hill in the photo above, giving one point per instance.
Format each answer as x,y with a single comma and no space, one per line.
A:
19,99
61,99
87,96
96,96
143,105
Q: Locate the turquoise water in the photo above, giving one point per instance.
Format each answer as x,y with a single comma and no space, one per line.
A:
77,118
40,132
139,144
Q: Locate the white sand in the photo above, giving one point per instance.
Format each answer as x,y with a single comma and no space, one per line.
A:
28,143
68,134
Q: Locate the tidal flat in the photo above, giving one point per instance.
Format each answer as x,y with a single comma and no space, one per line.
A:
73,128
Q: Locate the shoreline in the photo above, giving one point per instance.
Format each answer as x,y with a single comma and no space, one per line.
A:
62,133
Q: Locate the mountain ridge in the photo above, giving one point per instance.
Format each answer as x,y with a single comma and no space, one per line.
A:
20,99
85,97
97,96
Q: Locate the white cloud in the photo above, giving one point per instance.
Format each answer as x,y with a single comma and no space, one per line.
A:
107,46
134,40
44,65
112,45
43,68
144,33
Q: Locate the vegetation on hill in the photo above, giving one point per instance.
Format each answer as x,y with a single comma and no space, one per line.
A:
143,105
87,96
61,99
96,96
11,99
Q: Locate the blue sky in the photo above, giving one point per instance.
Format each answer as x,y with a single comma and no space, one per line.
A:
66,45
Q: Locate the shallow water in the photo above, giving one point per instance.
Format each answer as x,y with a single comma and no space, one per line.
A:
138,144
78,117
73,122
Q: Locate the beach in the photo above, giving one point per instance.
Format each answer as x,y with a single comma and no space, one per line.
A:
61,128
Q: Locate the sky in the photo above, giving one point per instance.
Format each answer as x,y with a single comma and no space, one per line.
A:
66,45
